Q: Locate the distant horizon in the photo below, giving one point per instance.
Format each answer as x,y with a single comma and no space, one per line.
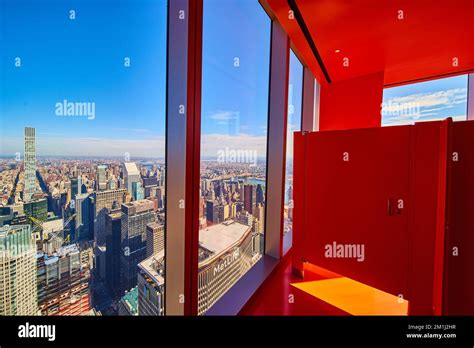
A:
132,159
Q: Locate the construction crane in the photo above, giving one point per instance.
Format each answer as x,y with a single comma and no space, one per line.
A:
55,234
38,225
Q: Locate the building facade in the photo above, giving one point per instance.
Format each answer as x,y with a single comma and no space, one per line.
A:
223,262
130,175
18,285
155,238
151,285
30,163
103,202
135,216
112,242
83,206
64,281
101,183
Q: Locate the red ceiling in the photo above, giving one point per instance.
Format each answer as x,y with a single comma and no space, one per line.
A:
370,34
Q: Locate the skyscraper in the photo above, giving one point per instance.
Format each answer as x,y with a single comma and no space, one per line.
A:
130,175
260,194
135,216
250,198
149,184
75,186
155,238
30,163
83,217
137,191
212,212
112,254
151,285
18,271
101,177
103,201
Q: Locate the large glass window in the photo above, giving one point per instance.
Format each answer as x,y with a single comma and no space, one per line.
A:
425,101
82,153
235,84
295,99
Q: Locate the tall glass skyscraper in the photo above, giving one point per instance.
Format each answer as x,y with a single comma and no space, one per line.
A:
18,271
30,163
135,217
101,177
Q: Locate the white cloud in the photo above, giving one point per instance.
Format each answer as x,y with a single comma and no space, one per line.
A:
223,116
443,99
415,107
212,143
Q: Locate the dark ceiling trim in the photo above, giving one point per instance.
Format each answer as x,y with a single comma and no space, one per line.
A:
309,38
429,78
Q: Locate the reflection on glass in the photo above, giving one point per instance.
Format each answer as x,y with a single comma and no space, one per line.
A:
425,101
236,55
295,95
82,157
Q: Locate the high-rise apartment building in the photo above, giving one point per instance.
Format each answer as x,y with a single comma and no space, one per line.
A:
135,216
30,163
18,287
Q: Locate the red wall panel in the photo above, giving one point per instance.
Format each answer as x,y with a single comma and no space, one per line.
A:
345,105
459,270
356,202
427,217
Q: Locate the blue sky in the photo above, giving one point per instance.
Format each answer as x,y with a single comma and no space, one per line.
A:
236,57
295,94
82,60
430,100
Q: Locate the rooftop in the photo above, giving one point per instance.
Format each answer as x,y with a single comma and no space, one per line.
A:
220,237
155,225
138,206
53,225
130,299
151,266
131,168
